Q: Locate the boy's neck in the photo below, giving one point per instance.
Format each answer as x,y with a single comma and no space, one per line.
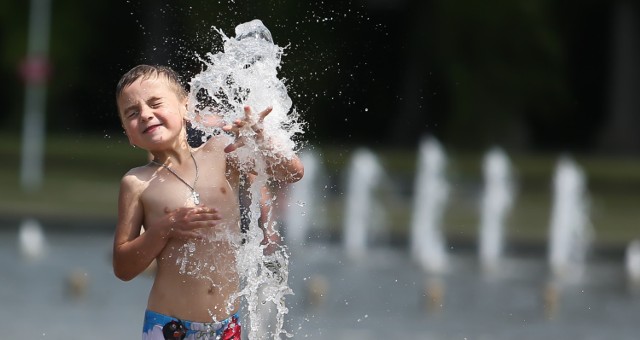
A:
176,155
177,152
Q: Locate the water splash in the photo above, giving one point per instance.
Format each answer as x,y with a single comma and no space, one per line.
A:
570,227
31,240
246,73
497,200
431,193
361,210
632,265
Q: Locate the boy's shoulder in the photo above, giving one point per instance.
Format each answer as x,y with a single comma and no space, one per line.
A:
216,141
142,170
137,176
213,148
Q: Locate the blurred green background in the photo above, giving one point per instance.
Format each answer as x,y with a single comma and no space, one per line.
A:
540,79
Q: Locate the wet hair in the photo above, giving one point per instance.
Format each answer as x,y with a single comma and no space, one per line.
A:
148,71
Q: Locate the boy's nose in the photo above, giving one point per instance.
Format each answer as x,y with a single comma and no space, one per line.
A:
146,114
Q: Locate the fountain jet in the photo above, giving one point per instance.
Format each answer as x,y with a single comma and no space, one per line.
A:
632,265
365,173
432,190
31,240
570,228
497,200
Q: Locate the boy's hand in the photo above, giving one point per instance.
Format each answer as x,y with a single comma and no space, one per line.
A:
209,120
250,122
184,222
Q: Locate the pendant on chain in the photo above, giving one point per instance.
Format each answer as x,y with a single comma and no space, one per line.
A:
196,197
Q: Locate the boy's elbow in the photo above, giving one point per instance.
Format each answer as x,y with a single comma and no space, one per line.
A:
298,174
292,175
121,272
287,173
122,275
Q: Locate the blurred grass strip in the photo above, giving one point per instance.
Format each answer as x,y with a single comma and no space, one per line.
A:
82,176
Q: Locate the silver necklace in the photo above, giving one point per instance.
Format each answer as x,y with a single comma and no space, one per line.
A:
194,194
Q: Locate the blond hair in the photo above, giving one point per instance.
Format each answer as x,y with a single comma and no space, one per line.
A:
148,71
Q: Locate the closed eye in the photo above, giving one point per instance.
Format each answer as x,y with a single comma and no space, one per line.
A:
154,102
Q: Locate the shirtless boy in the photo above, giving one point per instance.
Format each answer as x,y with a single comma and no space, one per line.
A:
187,202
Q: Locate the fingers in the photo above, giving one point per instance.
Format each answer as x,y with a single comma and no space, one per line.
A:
194,216
247,113
234,127
264,113
261,115
249,121
232,147
205,217
185,219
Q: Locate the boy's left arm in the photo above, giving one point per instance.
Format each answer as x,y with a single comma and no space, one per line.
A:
286,170
280,168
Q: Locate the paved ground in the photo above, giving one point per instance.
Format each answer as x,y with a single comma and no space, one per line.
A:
379,297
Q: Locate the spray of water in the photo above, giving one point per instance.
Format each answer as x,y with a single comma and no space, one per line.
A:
632,265
31,240
570,227
432,191
361,209
496,202
246,73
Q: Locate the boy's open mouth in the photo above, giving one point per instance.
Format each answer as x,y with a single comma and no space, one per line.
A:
151,128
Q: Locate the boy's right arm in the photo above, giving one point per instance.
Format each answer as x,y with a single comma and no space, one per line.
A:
132,252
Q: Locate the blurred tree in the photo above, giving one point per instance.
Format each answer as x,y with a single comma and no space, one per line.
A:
13,48
499,61
584,30
512,72
503,72
620,132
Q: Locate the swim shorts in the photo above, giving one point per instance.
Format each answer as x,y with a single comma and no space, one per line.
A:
160,326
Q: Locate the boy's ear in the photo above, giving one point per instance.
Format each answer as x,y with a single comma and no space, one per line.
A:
124,131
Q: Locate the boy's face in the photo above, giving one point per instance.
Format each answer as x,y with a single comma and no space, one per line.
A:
151,113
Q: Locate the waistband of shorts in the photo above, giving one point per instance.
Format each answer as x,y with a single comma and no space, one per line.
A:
154,318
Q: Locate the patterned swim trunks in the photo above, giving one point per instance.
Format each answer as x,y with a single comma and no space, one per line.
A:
159,327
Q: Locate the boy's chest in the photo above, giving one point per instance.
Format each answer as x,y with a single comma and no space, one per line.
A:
167,192
172,192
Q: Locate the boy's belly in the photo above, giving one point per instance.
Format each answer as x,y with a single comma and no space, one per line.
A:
195,283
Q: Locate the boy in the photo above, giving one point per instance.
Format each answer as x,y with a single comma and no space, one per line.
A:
187,201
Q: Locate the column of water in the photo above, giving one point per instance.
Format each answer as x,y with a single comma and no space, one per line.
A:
497,200
246,73
570,229
363,176
430,197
